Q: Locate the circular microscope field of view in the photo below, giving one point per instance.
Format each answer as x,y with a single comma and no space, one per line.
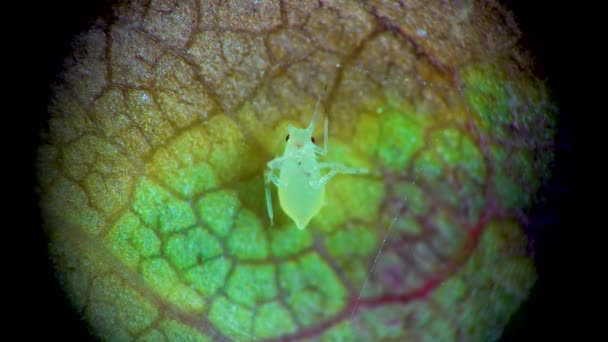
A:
295,171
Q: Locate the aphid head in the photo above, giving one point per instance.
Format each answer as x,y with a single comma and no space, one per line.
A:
297,138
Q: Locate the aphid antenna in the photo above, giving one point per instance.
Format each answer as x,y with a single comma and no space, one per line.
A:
315,112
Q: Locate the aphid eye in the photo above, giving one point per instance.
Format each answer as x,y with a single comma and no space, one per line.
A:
312,139
287,137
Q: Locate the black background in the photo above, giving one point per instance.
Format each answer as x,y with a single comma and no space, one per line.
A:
567,41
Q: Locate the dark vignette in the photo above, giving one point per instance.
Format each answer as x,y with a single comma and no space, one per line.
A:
565,41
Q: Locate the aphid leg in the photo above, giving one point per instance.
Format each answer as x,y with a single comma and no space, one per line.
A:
269,176
336,168
275,163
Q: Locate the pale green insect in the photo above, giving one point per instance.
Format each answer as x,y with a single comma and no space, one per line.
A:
300,183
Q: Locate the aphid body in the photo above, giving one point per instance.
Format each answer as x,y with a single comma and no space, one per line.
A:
300,183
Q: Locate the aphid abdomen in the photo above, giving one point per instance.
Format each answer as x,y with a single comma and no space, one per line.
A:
298,199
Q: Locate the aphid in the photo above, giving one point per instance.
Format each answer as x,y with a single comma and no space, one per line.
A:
300,184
